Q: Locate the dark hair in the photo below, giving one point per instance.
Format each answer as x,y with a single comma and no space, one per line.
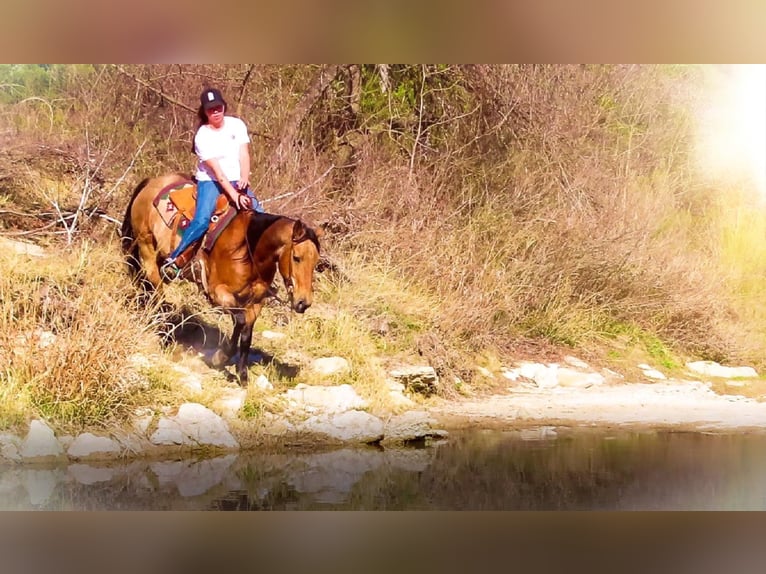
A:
202,118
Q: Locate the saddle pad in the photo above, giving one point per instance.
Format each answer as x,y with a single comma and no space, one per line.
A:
165,206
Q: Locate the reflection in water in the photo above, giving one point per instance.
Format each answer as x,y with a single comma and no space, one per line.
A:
534,469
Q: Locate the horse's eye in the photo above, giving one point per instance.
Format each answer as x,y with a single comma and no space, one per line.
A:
296,259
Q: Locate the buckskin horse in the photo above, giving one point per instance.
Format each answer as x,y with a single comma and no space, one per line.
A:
239,267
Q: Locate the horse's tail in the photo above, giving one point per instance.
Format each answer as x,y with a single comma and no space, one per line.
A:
129,245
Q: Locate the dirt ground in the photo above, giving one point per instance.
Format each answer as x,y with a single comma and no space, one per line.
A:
680,405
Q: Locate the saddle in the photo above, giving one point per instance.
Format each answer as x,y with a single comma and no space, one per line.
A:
176,204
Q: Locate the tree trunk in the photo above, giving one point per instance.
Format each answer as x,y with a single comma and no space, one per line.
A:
289,131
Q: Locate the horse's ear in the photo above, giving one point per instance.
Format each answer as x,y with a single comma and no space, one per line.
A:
299,232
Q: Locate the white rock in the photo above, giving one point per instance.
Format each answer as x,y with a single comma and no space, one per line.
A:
192,382
485,372
89,445
412,425
398,399
544,376
168,432
273,335
141,423
231,402
575,362
326,366
40,442
395,386
9,447
352,426
654,374
263,383
194,425
21,247
510,374
713,369
570,378
328,399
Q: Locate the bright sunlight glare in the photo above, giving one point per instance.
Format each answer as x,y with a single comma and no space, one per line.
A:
731,142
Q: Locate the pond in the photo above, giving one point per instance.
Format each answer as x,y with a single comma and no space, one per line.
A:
534,469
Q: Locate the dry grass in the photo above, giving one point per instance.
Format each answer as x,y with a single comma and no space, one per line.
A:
68,332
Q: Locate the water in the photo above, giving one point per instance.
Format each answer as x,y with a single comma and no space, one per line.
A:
536,469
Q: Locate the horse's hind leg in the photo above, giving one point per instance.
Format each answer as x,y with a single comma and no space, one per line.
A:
148,255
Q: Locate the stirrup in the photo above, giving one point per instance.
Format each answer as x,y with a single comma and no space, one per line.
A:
170,271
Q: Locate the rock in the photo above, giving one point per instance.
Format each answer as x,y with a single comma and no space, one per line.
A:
654,374
272,335
410,426
263,383
422,380
570,378
194,425
485,372
231,402
713,369
192,382
544,376
399,400
21,247
326,399
141,423
327,366
40,442
351,426
10,446
510,374
90,445
575,362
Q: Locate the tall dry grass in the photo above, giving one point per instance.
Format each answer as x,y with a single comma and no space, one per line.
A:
69,329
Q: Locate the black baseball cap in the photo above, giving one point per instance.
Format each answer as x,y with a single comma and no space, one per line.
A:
211,98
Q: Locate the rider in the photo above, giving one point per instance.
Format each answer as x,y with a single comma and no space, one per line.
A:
221,145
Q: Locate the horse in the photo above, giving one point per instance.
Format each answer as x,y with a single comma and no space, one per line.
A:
239,268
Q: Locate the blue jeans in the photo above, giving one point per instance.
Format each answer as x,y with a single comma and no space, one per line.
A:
207,195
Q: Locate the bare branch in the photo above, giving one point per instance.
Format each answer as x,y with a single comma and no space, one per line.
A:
148,86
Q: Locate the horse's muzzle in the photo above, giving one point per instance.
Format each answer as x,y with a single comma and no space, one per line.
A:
300,306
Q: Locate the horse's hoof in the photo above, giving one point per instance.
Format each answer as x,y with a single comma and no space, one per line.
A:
243,380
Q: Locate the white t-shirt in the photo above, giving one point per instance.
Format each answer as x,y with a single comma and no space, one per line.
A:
222,144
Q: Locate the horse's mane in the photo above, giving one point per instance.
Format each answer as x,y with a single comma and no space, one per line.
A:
260,222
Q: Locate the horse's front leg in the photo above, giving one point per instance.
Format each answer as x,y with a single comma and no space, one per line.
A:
245,339
227,349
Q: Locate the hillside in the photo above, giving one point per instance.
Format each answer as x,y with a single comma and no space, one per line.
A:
474,216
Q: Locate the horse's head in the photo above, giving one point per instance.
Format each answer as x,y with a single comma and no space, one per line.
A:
297,269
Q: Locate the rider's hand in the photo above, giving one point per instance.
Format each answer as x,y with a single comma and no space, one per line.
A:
243,201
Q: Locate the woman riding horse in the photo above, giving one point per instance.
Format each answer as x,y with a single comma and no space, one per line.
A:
238,269
221,145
